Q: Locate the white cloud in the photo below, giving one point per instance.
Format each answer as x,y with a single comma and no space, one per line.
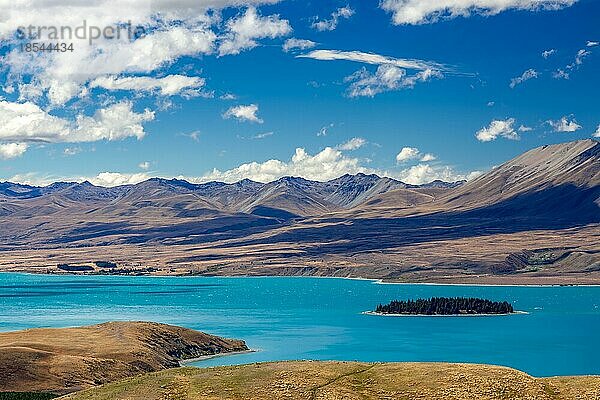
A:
115,122
298,44
565,124
560,74
371,58
407,153
352,144
12,150
194,135
391,73
324,130
244,30
580,56
328,164
243,113
428,157
503,128
145,165
386,78
427,11
62,75
525,76
597,133
106,179
491,103
173,29
71,151
592,44
228,96
548,53
26,122
110,179
524,128
263,135
425,173
413,153
325,165
332,23
167,86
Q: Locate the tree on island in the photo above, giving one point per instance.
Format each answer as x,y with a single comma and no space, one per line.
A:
445,306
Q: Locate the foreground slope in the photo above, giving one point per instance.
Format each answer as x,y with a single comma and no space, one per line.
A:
69,359
337,380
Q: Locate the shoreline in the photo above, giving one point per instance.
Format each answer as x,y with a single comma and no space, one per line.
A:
373,313
375,281
184,363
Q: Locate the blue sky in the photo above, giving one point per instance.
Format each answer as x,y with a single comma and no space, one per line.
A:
211,93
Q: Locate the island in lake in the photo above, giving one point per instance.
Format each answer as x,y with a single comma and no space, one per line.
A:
445,306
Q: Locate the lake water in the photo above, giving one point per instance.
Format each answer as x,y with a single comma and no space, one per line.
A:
320,318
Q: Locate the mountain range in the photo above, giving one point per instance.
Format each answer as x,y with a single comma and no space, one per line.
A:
534,217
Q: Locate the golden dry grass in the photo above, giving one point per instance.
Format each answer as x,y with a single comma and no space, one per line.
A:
308,380
64,360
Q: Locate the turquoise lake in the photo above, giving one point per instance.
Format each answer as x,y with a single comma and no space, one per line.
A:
320,318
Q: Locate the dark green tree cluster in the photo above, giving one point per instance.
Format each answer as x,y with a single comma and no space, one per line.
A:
446,306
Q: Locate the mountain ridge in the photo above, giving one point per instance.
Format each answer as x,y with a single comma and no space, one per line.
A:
541,205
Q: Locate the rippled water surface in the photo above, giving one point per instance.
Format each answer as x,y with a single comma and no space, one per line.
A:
320,318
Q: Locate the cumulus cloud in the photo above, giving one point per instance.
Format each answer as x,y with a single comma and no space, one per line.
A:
407,153
243,113
548,53
27,122
62,76
111,179
565,124
424,173
12,150
298,44
592,44
525,76
496,128
323,166
328,164
352,144
167,86
415,12
413,153
171,30
597,133
105,179
243,31
332,23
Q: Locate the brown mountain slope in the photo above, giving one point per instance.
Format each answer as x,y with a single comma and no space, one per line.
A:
350,381
536,217
64,360
560,179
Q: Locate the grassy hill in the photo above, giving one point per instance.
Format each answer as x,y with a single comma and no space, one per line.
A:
341,380
70,359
